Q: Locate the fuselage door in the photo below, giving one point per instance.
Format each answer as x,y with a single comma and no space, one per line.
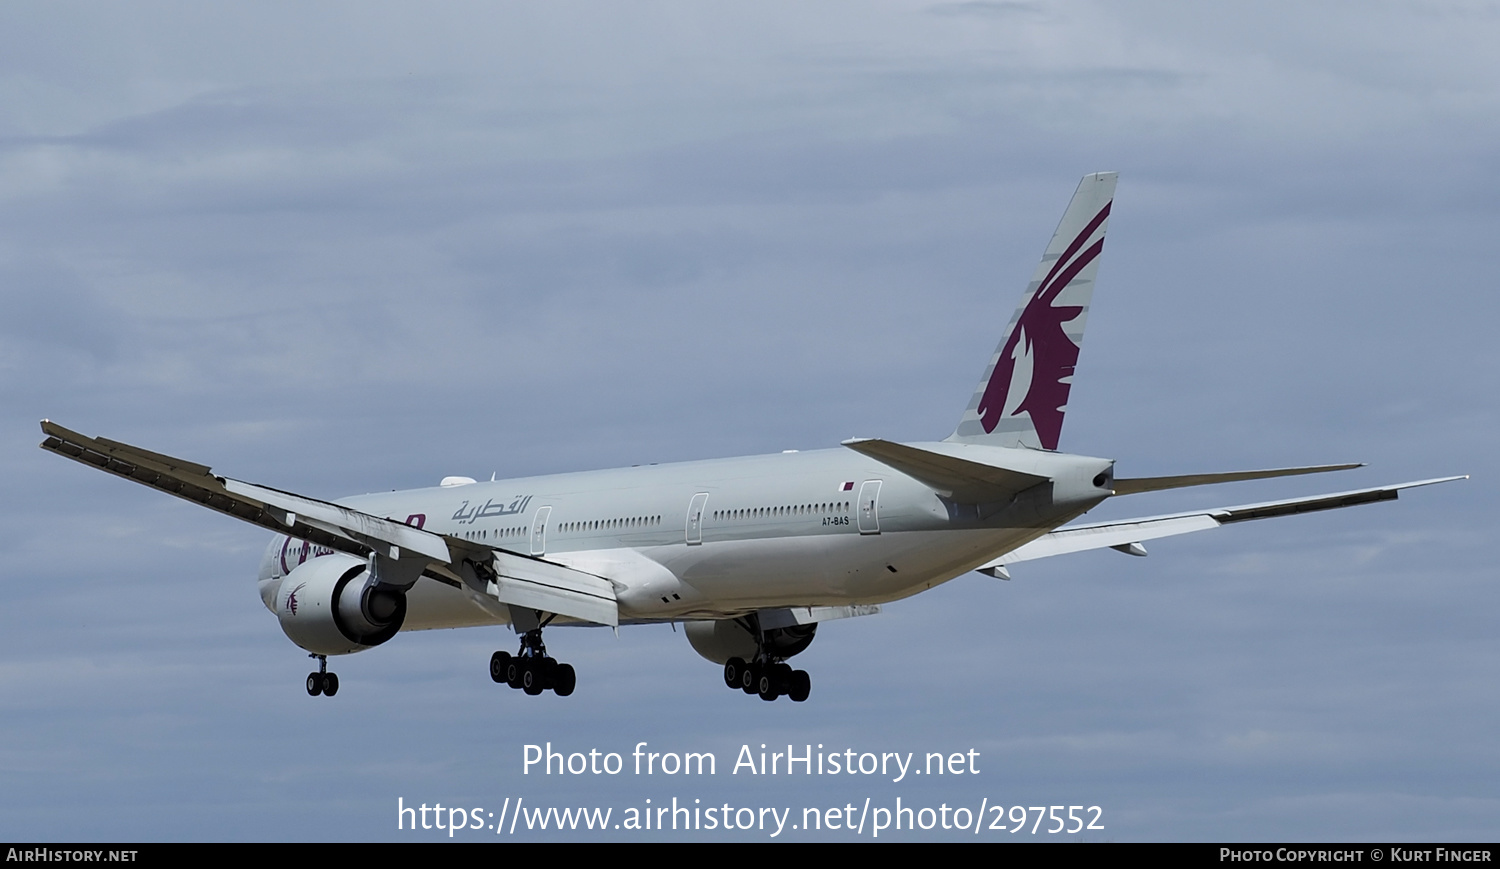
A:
695,518
869,507
539,531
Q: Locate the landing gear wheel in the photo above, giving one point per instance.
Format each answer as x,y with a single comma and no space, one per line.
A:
322,682
531,669
732,669
800,686
498,662
565,680
767,674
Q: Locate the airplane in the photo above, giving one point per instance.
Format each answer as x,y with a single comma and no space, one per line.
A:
749,554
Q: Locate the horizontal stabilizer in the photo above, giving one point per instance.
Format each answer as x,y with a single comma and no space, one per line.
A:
960,479
1126,531
1156,484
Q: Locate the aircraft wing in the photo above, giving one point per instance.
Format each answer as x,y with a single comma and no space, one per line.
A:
1127,535
538,584
522,580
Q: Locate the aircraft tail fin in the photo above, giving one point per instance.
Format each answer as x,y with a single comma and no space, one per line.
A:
1023,395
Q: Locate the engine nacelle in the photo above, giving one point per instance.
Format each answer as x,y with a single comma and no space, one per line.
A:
718,641
325,607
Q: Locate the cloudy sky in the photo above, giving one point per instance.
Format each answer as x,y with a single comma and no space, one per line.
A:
360,246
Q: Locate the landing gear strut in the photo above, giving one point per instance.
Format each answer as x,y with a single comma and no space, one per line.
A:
322,682
531,670
767,673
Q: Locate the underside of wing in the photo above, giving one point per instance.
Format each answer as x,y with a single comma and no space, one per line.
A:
1127,534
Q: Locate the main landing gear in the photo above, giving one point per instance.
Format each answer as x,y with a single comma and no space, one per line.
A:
322,682
531,670
767,677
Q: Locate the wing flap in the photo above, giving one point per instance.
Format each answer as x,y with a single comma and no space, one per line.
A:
542,585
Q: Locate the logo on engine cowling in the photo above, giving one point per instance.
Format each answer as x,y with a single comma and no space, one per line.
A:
291,599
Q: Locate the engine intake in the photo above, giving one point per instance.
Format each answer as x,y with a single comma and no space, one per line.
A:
327,607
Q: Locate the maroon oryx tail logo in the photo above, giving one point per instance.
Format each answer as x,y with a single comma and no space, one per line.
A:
1053,354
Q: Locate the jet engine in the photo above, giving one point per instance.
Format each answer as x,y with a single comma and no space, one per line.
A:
327,606
718,641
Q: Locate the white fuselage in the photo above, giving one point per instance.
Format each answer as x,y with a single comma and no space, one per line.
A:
717,539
